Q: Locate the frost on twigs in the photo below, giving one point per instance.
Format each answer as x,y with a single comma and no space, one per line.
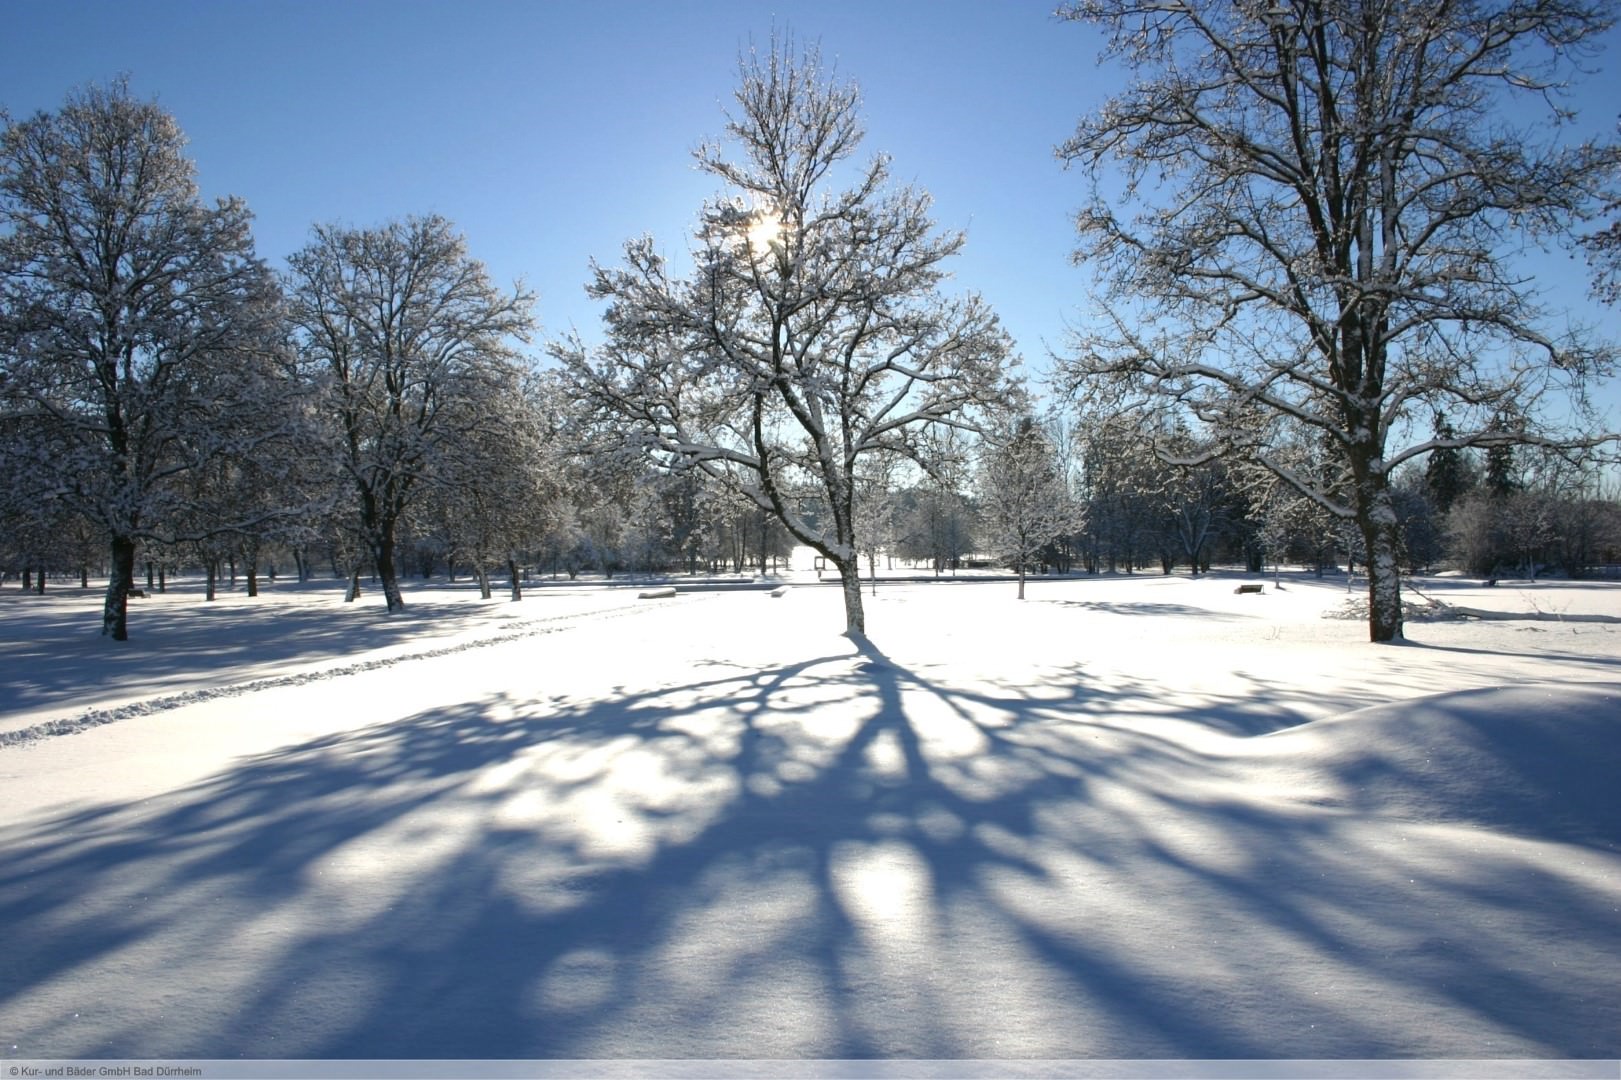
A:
1316,246
812,347
1355,609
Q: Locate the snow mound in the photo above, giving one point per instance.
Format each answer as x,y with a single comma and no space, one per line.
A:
1539,761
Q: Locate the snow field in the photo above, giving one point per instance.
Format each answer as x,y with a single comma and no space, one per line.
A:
1125,819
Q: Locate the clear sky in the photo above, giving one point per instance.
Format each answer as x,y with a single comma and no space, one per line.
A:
550,131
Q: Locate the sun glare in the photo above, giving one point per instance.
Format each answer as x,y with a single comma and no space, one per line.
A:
765,231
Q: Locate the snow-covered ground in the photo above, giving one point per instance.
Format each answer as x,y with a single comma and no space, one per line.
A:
1128,818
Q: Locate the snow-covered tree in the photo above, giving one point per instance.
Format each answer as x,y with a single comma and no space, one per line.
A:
140,328
1119,482
1421,524
1502,473
812,332
1196,502
411,350
933,518
1447,471
493,490
42,535
875,504
1331,192
936,525
1604,254
1024,499
1291,521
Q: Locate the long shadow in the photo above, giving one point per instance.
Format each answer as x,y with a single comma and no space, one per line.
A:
836,858
1142,608
1601,662
181,640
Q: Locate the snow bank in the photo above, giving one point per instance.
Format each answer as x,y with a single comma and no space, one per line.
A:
1540,761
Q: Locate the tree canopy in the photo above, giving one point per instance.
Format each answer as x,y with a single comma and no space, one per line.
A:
1323,200
141,329
811,333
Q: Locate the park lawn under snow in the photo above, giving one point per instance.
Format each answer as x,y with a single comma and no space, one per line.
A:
1127,818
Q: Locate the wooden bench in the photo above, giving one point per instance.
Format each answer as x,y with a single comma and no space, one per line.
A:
1249,587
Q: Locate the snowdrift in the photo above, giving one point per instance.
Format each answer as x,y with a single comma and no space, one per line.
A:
1538,761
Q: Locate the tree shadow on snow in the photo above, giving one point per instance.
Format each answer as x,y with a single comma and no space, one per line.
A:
1140,607
838,858
179,641
1605,666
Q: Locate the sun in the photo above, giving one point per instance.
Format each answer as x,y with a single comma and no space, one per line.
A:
765,231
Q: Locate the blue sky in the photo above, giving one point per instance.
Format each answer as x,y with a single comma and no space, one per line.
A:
550,131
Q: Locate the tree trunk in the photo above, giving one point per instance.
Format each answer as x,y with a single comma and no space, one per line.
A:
115,612
1384,573
855,619
1380,529
483,575
352,593
250,564
512,572
211,569
387,574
